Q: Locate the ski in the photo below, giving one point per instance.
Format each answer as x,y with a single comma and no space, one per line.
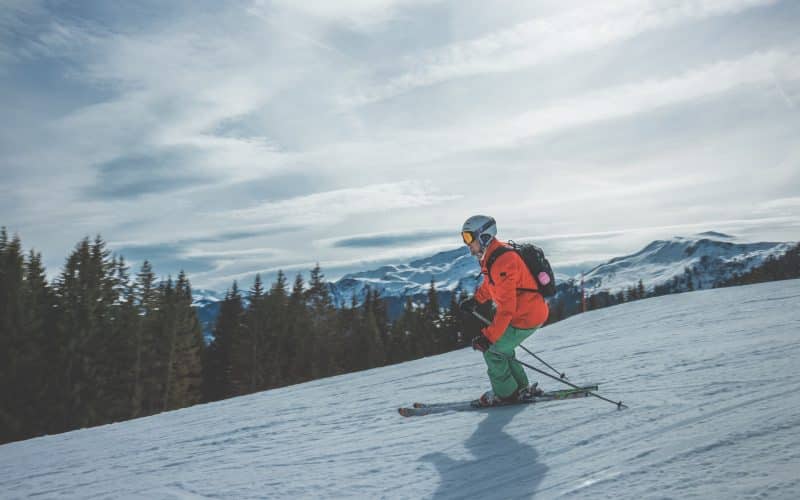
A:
420,409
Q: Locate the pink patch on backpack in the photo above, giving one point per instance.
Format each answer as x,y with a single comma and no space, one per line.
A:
544,279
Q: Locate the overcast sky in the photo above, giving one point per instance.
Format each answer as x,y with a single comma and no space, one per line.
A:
230,138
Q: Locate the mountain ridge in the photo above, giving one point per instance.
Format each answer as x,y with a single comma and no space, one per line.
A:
459,271
710,256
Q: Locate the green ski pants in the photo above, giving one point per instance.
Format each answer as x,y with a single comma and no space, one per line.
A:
506,375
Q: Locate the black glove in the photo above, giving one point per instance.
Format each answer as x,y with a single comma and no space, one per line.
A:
481,343
468,305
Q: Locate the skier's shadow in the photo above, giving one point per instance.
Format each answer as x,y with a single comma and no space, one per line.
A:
502,468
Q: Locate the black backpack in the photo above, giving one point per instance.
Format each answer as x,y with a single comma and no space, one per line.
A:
536,262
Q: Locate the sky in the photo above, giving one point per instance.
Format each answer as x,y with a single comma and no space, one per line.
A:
241,137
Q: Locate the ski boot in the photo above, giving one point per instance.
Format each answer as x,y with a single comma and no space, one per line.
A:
489,398
529,392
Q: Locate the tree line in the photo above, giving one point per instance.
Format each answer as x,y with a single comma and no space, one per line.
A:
95,346
290,334
99,344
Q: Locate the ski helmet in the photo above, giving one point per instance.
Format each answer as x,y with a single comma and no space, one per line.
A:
479,227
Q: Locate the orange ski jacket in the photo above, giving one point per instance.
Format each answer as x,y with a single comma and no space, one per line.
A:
518,308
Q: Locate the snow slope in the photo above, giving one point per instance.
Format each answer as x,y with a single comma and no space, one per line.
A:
711,378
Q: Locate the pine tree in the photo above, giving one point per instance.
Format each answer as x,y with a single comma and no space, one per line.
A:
349,328
451,325
298,359
145,302
324,358
417,331
230,328
168,338
689,278
257,327
375,352
121,344
640,290
278,348
39,327
299,334
430,323
80,293
380,309
12,350
184,367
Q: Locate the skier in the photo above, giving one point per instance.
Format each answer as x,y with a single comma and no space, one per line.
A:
520,310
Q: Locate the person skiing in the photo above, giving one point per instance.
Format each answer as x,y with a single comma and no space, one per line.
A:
520,310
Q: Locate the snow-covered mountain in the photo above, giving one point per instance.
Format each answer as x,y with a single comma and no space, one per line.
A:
714,255
202,297
207,304
710,377
451,270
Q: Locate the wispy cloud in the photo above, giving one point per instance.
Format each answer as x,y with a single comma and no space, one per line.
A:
167,258
334,206
636,98
391,239
355,14
582,28
134,176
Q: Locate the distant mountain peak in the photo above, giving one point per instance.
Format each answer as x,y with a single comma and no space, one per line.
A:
715,234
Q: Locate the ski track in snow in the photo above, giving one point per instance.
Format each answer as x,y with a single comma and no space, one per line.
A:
710,376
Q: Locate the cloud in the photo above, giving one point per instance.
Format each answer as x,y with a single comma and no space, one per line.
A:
138,175
629,99
780,207
391,239
223,237
584,28
167,258
197,255
356,14
334,206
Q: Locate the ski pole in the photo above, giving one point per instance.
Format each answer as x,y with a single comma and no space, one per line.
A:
618,403
563,375
560,379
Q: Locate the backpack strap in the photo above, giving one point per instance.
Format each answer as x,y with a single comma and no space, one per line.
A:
495,255
490,261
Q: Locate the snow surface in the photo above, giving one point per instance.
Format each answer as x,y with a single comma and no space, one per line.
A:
711,378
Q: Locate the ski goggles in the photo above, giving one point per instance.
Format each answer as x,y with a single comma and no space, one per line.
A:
470,236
